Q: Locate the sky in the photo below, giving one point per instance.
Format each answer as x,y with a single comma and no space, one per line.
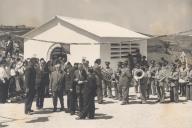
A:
146,16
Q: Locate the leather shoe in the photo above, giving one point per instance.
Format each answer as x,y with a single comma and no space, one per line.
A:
123,103
55,109
90,118
31,110
28,113
62,109
72,113
79,118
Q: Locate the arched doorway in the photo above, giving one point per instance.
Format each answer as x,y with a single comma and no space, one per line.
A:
58,51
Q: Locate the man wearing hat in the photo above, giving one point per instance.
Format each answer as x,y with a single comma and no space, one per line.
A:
119,71
125,82
161,81
183,70
115,81
107,83
173,79
135,82
144,61
130,61
151,79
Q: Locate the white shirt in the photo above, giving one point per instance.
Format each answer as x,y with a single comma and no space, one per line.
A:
3,74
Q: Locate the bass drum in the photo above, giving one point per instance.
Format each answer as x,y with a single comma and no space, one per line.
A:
106,76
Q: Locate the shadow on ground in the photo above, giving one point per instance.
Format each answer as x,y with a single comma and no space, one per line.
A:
39,119
8,119
44,111
99,116
108,102
2,125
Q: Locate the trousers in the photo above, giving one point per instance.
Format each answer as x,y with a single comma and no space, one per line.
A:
125,92
29,99
40,97
107,89
174,95
161,91
56,95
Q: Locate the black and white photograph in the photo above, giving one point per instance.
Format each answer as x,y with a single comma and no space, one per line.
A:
96,63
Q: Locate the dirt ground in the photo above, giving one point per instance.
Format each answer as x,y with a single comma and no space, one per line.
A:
108,115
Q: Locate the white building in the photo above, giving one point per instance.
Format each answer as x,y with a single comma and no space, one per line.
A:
108,42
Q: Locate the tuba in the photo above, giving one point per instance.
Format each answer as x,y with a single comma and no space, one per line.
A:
138,74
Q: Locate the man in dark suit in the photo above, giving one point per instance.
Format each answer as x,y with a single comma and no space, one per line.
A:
99,77
69,88
57,81
89,96
130,61
73,94
80,78
42,79
30,76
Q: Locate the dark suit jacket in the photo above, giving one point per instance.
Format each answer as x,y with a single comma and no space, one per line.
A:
91,86
79,77
30,77
42,76
57,81
69,79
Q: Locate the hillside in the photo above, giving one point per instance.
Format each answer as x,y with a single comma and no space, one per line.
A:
169,47
6,31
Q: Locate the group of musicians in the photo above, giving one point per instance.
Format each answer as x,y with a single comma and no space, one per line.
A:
152,80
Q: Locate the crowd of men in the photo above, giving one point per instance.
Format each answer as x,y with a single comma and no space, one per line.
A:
37,79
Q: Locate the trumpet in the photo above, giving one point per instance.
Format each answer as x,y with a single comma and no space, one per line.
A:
138,74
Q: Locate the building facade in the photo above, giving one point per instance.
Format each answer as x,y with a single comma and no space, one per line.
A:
81,38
